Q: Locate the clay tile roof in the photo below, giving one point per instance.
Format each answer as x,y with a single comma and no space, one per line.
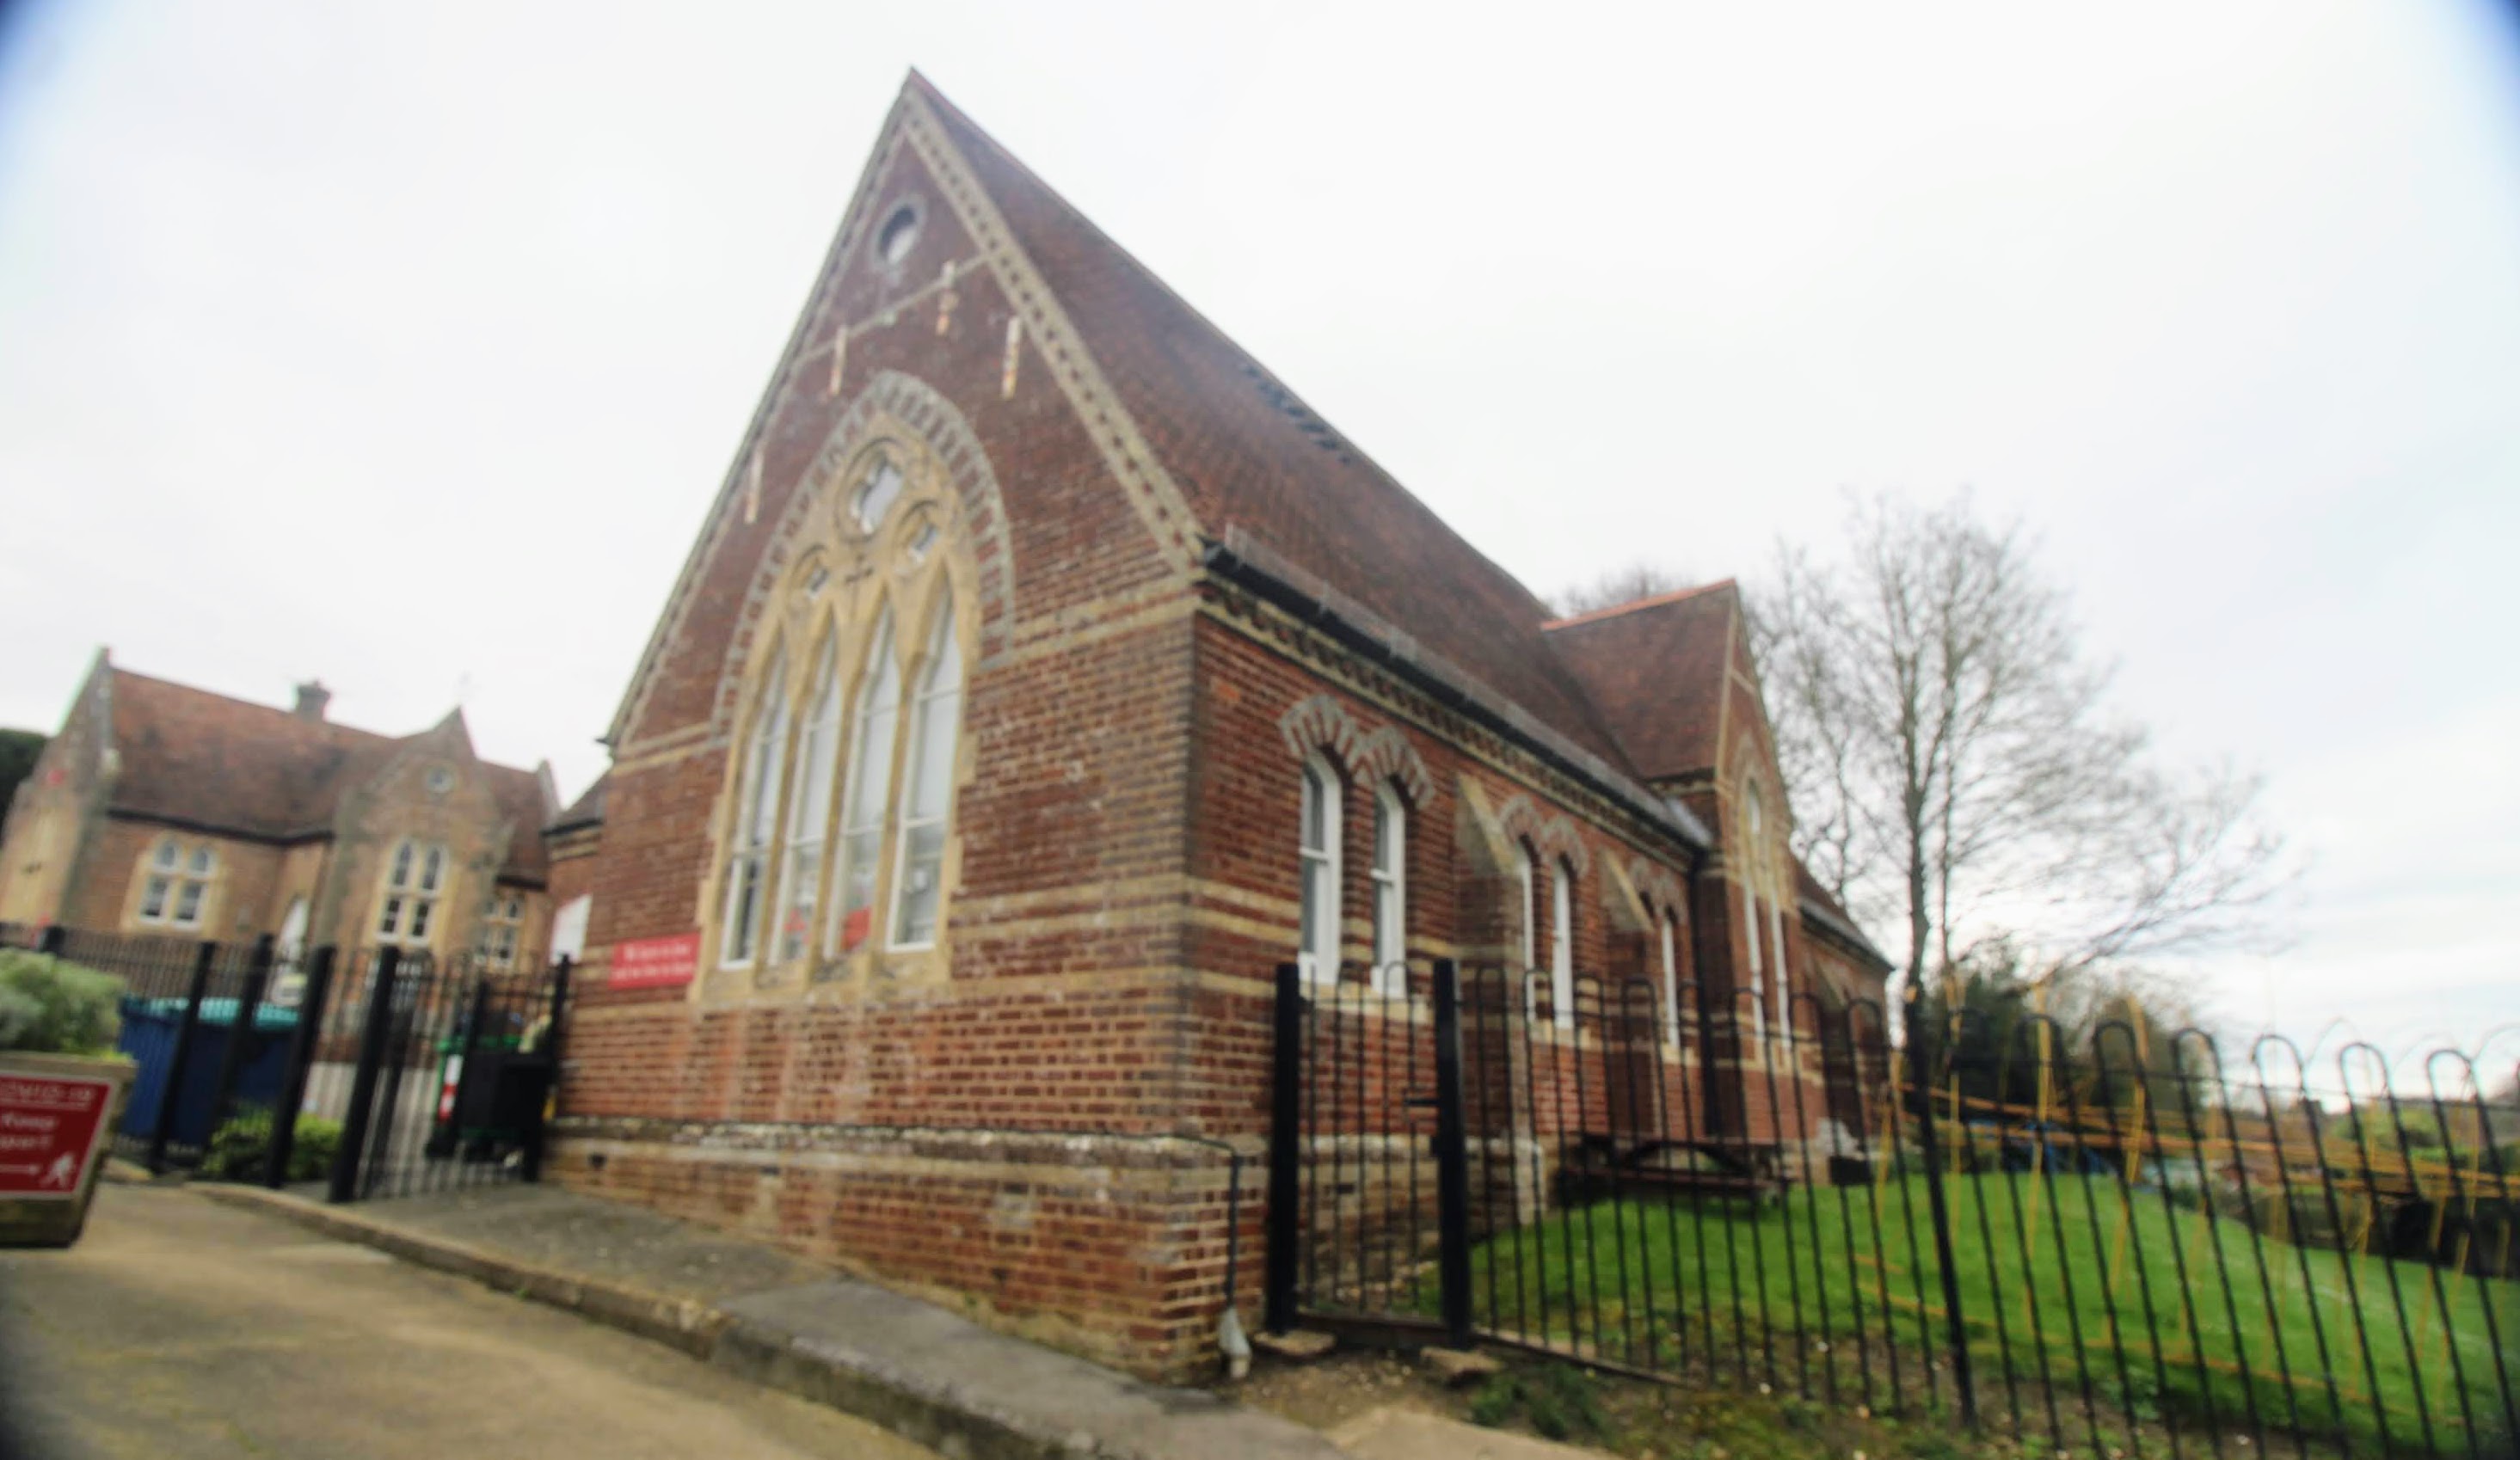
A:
521,797
1248,454
197,759
1656,668
189,755
1817,903
587,810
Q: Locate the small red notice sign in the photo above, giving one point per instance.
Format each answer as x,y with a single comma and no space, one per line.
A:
657,962
49,1128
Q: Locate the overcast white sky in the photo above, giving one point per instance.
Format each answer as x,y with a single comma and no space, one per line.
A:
404,345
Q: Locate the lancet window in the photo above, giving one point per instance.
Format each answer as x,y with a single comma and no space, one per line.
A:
838,819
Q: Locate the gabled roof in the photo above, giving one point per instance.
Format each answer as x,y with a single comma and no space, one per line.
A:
193,758
1819,906
586,810
1247,454
1656,669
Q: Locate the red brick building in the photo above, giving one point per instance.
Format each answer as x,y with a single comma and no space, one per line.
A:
162,808
1044,675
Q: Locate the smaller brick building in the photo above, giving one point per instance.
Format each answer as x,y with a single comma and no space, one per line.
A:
162,808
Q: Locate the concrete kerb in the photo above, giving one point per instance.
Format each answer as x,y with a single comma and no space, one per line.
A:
937,1379
693,1327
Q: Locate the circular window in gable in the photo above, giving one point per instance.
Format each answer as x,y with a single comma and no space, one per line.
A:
899,233
440,780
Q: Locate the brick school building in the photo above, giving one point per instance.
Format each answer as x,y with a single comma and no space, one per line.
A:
1044,673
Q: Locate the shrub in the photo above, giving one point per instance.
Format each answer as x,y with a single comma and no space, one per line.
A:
51,1007
242,1143
1561,1402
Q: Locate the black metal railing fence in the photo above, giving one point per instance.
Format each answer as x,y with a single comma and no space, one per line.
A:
2105,1240
359,1072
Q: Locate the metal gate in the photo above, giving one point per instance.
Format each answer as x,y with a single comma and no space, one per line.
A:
421,1072
2108,1243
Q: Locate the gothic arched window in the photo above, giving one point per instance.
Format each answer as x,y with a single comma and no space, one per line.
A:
809,809
1561,942
869,790
1390,889
1319,952
835,827
935,724
756,819
1669,924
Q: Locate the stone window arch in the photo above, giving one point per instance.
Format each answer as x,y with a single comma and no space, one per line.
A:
837,846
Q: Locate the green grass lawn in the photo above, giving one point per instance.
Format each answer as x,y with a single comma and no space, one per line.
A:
1651,1283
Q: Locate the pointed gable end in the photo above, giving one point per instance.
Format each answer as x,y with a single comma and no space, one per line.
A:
1203,440
1249,456
1657,669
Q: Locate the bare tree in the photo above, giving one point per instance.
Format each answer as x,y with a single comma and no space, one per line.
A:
1951,760
1638,580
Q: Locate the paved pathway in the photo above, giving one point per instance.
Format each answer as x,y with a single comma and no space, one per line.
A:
178,1327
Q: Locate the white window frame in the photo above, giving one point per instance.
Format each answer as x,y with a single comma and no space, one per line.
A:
406,903
1758,971
865,807
1561,942
931,693
568,927
293,928
1318,886
1526,887
749,844
172,878
1753,863
1669,926
503,926
1776,938
819,743
1390,891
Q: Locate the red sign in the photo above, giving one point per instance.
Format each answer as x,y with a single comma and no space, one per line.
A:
50,1127
657,962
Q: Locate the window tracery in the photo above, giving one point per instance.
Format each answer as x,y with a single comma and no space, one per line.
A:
838,853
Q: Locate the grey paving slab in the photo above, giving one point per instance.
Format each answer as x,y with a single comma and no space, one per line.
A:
177,1327
915,1369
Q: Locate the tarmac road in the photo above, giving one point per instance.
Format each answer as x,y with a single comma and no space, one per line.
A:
181,1327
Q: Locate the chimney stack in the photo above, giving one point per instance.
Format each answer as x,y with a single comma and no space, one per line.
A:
312,697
